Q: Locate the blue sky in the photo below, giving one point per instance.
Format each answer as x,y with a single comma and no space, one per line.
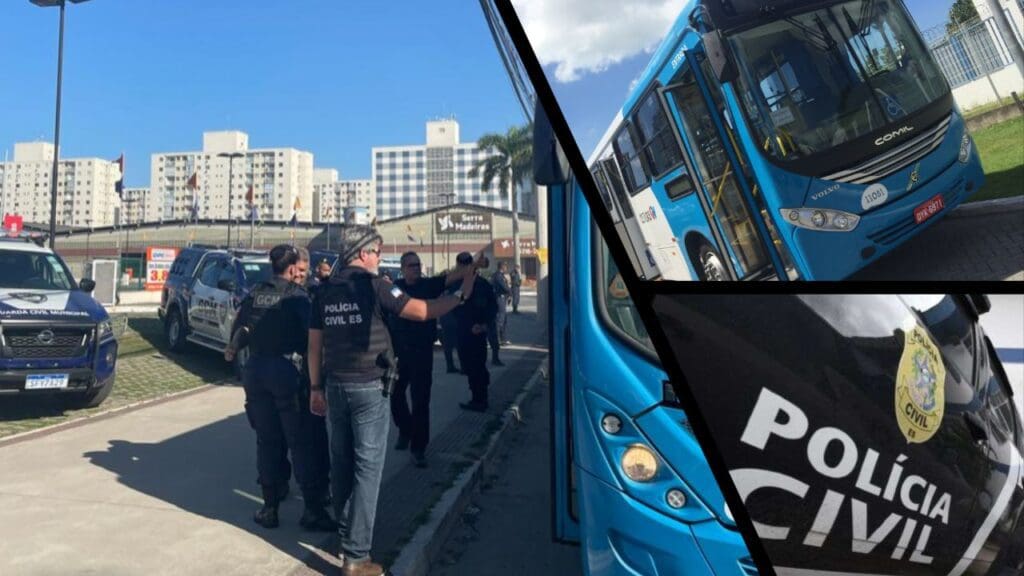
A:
591,101
335,78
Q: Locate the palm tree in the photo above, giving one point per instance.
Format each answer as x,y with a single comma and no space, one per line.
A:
510,161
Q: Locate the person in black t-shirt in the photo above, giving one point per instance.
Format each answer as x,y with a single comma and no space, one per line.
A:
474,318
414,345
349,344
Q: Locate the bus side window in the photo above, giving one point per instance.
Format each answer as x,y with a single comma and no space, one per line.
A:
616,306
654,138
680,187
632,168
602,187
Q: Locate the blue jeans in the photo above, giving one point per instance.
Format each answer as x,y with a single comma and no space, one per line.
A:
357,425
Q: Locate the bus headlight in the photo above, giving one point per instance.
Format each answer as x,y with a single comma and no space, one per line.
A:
821,219
965,148
639,464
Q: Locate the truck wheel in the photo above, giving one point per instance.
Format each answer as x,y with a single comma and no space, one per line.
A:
94,397
711,267
174,329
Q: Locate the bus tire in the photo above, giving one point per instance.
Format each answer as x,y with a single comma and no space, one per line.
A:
710,265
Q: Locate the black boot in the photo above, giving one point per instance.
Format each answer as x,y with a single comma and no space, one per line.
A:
267,515
316,519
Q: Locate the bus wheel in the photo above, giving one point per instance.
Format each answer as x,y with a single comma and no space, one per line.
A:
711,266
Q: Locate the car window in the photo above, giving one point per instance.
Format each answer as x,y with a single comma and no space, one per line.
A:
227,273
1003,415
210,272
32,271
255,272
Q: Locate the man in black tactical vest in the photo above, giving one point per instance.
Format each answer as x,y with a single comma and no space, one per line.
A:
473,321
349,335
414,346
273,322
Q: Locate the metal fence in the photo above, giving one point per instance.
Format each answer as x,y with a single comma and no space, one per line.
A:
969,50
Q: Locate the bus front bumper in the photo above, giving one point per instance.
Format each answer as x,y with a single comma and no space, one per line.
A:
621,536
836,255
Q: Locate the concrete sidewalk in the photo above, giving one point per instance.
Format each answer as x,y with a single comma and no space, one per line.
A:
170,488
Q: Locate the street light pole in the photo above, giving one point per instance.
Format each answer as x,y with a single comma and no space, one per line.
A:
231,175
56,128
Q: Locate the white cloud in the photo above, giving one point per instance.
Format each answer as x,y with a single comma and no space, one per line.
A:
588,36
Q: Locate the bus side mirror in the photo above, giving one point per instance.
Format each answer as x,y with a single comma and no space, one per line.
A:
550,166
719,56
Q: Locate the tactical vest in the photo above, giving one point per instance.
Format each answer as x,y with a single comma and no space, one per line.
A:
265,319
355,332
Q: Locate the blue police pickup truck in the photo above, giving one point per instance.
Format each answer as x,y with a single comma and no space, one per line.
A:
202,294
54,337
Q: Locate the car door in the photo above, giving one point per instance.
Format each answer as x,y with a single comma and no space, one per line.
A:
224,300
202,303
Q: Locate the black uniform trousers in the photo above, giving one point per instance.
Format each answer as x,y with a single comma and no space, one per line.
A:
415,375
278,409
473,357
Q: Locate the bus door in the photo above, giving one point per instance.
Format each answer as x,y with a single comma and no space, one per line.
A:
620,225
637,245
564,514
723,188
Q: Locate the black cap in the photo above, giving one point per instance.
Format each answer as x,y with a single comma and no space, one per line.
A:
354,238
464,258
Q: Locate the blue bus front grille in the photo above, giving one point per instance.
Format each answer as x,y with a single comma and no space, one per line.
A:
747,566
901,228
896,159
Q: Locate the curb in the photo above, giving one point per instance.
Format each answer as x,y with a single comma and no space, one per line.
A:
104,415
416,556
987,207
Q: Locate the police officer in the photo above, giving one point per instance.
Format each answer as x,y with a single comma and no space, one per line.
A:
473,321
273,321
414,345
349,334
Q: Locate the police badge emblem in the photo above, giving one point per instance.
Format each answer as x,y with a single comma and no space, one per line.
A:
920,387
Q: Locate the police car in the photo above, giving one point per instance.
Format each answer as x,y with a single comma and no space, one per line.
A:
54,336
204,289
865,434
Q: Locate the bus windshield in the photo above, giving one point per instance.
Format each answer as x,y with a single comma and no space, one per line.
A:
829,76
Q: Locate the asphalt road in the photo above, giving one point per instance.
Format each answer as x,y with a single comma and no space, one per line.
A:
962,246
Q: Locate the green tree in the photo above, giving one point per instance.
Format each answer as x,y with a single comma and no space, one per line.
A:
961,12
510,162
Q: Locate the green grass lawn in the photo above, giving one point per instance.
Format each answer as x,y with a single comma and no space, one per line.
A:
1002,154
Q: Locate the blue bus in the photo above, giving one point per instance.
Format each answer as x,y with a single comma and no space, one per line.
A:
630,483
793,139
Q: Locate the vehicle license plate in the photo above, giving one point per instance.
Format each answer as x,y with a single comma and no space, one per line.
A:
46,381
930,208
